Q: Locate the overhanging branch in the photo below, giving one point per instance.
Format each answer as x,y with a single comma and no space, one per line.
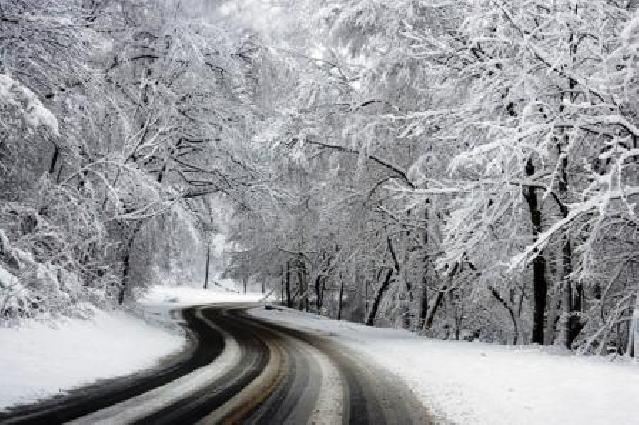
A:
395,169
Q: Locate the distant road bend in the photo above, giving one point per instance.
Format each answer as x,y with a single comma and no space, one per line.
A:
240,369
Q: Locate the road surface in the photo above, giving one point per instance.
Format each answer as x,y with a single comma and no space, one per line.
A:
240,369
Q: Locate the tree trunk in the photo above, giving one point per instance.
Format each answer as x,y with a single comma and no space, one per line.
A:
206,271
554,302
511,312
289,302
54,159
454,317
574,323
125,273
430,317
341,298
318,292
282,285
540,288
126,270
365,316
409,290
572,293
423,306
370,320
301,281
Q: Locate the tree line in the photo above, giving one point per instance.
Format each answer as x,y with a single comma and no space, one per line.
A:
463,169
468,170
119,121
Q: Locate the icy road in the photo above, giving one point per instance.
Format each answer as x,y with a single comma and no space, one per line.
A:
240,369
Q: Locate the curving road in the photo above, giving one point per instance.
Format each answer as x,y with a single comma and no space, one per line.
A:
240,369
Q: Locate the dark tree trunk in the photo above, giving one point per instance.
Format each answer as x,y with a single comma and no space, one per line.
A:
126,260
341,299
365,301
510,310
282,284
574,324
633,335
318,292
423,306
54,159
125,275
372,314
206,271
409,290
573,293
287,280
430,317
540,288
540,292
301,281
323,289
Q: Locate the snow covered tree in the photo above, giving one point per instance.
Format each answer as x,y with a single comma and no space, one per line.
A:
111,127
488,146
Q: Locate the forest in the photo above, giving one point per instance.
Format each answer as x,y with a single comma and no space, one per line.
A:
464,169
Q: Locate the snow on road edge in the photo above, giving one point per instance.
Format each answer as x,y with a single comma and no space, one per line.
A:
476,383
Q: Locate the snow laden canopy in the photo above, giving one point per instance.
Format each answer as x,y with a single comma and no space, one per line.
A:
463,169
119,129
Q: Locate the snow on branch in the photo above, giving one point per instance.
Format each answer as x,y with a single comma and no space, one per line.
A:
16,95
599,203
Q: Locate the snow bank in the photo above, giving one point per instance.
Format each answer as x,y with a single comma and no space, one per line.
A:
475,383
184,296
38,361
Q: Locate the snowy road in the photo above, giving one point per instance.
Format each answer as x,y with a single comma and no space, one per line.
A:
242,370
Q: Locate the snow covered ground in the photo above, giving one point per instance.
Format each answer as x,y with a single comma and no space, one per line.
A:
466,383
38,360
475,383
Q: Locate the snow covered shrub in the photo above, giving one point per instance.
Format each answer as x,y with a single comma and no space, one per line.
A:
14,298
54,245
26,126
